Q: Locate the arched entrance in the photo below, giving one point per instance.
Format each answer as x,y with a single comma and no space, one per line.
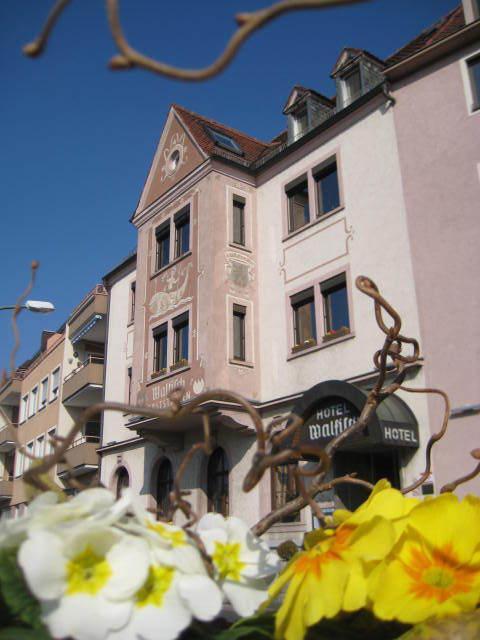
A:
122,481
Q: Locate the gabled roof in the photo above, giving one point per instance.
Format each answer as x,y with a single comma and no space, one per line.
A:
349,54
298,93
197,125
448,25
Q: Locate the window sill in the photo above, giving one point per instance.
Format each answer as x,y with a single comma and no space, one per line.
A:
167,375
241,363
240,247
318,347
313,223
170,264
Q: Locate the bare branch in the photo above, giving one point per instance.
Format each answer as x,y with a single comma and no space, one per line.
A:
35,48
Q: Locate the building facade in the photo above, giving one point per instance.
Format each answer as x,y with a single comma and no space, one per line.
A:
243,279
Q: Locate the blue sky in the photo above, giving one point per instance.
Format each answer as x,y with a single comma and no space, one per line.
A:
77,139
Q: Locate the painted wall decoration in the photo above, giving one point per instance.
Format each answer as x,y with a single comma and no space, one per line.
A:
176,281
157,396
240,269
174,156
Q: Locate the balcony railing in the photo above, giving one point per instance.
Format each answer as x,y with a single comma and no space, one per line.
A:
82,456
8,438
84,321
83,386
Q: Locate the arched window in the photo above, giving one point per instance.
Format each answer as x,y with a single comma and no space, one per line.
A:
123,481
164,487
217,482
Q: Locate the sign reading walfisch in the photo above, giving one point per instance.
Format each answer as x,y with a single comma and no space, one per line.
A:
331,407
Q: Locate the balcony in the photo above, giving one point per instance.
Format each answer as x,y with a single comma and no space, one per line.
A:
6,488
10,392
87,321
8,438
82,457
84,385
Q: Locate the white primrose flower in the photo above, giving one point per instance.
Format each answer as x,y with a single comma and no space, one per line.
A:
178,586
85,579
243,563
47,510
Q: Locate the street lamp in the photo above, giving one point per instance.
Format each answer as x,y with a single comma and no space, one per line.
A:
37,306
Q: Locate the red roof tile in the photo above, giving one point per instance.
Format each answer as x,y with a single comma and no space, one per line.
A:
251,147
452,22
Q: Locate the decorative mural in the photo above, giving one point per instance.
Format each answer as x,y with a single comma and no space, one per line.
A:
174,156
176,282
240,269
157,396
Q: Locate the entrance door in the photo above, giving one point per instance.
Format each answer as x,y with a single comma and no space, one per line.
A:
368,466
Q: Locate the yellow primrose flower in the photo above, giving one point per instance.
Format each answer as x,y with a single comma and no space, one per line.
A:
330,576
434,569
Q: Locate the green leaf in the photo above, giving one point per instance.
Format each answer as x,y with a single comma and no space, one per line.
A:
20,633
22,606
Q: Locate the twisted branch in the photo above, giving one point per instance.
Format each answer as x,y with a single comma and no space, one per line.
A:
129,57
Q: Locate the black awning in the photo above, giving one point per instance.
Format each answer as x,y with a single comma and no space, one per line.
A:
330,407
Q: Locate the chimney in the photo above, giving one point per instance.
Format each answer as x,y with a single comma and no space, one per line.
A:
471,10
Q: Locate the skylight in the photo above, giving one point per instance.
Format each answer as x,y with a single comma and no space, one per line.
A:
225,141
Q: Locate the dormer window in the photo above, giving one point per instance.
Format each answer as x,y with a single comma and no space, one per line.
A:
300,119
305,110
352,86
356,73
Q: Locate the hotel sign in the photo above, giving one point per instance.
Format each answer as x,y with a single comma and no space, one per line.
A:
330,408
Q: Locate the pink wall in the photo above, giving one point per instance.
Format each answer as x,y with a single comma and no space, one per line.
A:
439,150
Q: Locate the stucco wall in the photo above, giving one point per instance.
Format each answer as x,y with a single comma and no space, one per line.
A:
439,153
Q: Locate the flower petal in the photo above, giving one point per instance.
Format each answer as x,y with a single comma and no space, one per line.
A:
43,563
129,560
245,597
202,595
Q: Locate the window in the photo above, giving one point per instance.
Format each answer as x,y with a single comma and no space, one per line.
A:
129,385
284,488
40,447
474,72
123,481
28,460
180,340
304,327
54,387
162,236
9,464
328,193
133,287
225,141
50,438
239,221
43,392
182,232
32,405
19,462
160,349
301,123
91,431
298,206
164,487
353,86
217,482
23,408
239,314
335,306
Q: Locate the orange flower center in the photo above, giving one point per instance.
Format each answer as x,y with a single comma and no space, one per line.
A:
325,551
438,575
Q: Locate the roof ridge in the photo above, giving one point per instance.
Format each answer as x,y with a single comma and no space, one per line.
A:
220,124
428,31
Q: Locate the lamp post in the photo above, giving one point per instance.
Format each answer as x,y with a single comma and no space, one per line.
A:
36,306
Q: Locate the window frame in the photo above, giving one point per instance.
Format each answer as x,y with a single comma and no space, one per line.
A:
159,333
239,311
44,400
475,90
296,517
162,233
239,204
166,483
220,475
179,323
327,287
33,404
319,173
297,301
231,145
55,391
133,294
48,442
356,69
290,191
181,220
129,384
24,408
